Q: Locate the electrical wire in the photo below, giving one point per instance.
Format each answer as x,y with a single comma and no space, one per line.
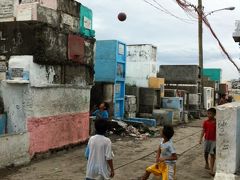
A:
167,12
186,6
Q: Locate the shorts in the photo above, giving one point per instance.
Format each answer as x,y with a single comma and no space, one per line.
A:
166,171
210,147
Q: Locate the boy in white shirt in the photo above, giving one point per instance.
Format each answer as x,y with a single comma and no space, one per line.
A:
99,154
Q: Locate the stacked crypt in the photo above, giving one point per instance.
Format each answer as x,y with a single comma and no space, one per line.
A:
48,49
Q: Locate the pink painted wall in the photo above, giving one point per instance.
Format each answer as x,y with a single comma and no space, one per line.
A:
56,131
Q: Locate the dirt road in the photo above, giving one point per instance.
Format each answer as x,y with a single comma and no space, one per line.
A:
131,158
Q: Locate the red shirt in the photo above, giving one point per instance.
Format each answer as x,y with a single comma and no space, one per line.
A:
209,128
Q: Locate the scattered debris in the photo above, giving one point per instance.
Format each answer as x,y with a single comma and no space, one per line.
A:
133,129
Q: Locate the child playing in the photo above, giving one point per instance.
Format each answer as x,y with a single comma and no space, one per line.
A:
166,157
99,154
102,111
209,133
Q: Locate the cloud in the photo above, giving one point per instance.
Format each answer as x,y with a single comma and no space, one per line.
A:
176,40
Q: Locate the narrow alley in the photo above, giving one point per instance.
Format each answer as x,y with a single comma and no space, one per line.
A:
131,158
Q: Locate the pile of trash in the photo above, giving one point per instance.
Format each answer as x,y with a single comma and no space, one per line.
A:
137,130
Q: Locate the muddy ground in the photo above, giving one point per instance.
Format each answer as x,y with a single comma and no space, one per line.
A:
131,158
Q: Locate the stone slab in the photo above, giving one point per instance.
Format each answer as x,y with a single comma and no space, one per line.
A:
228,141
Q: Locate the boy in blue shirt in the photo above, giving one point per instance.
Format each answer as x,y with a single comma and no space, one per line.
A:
102,111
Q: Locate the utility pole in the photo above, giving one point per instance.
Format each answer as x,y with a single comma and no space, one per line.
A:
200,49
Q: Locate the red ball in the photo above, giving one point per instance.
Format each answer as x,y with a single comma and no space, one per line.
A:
122,16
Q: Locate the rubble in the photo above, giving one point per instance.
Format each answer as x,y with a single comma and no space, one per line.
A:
132,129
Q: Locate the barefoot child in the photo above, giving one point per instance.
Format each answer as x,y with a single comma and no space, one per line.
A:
166,157
99,154
209,133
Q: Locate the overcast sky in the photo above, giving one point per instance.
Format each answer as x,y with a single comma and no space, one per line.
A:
176,40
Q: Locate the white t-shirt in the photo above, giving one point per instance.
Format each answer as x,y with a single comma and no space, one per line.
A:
100,150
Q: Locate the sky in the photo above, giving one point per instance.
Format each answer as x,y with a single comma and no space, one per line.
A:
176,40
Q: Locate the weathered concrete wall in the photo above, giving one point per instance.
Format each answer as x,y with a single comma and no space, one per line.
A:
50,46
141,58
228,141
46,75
35,12
180,74
53,116
21,102
8,10
56,117
13,97
71,7
45,3
141,53
14,149
51,101
42,75
57,131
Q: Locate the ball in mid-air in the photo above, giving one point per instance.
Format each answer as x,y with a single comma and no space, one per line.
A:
122,16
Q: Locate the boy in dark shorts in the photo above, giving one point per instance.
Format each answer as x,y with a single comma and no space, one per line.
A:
209,133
